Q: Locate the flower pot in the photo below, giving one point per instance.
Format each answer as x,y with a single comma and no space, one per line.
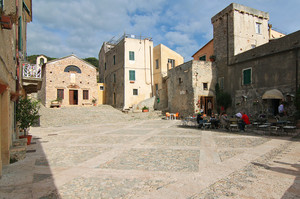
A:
28,138
145,110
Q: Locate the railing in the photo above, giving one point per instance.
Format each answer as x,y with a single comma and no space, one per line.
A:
32,71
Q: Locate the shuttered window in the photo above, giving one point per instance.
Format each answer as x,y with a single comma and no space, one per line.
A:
131,75
85,94
247,76
131,55
60,93
20,33
1,4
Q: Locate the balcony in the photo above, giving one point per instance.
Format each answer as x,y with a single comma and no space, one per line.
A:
31,77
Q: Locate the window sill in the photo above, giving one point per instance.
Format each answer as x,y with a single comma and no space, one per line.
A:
132,82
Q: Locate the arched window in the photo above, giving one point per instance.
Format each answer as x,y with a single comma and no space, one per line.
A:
72,68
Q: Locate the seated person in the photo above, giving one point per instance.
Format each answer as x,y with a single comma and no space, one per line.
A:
244,121
214,121
200,119
224,120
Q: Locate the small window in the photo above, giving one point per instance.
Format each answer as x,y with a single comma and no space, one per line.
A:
247,76
101,88
156,64
131,75
135,91
171,62
180,80
114,59
205,87
131,55
60,93
156,87
105,66
202,58
258,28
114,78
85,94
1,4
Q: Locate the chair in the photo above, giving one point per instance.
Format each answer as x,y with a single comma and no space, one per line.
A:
177,116
233,124
168,116
206,123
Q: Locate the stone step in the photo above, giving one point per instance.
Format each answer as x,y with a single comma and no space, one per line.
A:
19,142
17,153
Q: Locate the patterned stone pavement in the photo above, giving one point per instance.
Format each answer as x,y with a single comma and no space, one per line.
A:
153,159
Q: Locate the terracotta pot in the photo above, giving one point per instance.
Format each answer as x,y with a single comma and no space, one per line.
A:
28,138
145,110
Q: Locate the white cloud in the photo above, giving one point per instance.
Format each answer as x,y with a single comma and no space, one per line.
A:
62,27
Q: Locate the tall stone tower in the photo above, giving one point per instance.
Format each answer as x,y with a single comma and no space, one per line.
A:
237,29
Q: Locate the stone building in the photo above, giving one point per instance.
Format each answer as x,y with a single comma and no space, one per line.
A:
126,68
191,87
13,25
249,65
70,79
164,59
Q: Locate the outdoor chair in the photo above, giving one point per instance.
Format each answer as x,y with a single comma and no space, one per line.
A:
233,124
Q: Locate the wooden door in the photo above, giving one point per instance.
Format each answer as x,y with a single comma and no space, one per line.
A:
71,97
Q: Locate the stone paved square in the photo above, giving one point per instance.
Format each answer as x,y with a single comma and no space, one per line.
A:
156,160
174,141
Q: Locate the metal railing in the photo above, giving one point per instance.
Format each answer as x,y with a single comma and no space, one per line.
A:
32,71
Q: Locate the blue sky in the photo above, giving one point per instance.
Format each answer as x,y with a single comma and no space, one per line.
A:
62,27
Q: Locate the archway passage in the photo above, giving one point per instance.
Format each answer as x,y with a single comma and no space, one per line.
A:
73,97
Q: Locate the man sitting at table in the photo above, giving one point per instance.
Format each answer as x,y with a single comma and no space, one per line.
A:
244,121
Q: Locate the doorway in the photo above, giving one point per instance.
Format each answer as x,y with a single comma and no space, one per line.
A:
73,97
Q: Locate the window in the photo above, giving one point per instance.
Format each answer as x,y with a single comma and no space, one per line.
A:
60,93
172,62
156,87
114,57
101,88
20,33
72,68
105,66
258,28
247,79
85,94
1,4
131,55
156,63
131,75
114,78
202,58
135,91
221,82
180,80
205,87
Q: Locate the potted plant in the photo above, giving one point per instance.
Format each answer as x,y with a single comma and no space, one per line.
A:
94,101
212,58
27,113
56,102
145,109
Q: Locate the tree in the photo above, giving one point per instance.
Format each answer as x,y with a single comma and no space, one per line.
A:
223,98
27,113
92,60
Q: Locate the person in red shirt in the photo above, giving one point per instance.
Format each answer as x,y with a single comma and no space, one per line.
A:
244,121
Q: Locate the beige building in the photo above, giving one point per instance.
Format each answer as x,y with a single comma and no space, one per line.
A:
70,79
164,59
101,93
126,68
13,25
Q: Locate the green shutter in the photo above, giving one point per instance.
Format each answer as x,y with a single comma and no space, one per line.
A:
20,33
247,76
1,3
131,55
131,75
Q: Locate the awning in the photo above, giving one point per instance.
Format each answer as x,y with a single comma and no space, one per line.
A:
272,94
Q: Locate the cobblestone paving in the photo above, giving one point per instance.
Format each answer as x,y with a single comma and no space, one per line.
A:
99,152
